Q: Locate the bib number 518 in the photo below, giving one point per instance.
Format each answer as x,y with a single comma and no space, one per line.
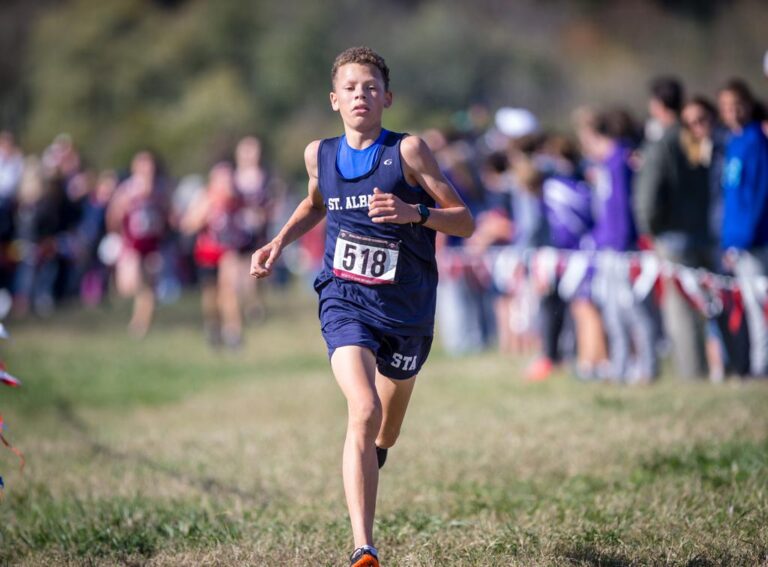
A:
364,259
376,260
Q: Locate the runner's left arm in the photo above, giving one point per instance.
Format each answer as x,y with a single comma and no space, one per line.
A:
421,168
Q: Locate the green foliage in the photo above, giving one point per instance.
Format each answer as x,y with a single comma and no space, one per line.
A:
124,75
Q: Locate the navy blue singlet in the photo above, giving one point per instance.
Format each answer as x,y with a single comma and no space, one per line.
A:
406,306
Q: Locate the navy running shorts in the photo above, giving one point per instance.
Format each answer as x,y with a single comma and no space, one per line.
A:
397,356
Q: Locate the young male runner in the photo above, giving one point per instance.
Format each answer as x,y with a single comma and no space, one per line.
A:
378,190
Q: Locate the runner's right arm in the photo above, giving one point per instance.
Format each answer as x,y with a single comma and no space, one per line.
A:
310,211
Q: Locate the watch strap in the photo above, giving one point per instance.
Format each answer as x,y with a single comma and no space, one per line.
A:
423,212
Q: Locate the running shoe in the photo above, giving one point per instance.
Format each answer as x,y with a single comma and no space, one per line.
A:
381,456
365,556
539,370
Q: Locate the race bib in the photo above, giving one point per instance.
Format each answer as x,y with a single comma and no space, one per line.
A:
365,260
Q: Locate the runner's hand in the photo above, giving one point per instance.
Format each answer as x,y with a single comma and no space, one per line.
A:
386,207
264,259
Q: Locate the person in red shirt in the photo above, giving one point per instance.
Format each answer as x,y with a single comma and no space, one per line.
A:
215,216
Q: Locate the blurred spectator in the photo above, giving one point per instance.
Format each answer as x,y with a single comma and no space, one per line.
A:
745,215
549,172
672,205
61,159
464,306
92,273
527,204
762,109
11,171
765,64
494,227
62,164
704,144
139,212
252,181
606,138
214,218
568,210
37,222
11,166
187,191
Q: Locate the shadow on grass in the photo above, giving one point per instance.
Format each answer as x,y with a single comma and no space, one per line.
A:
591,555
206,484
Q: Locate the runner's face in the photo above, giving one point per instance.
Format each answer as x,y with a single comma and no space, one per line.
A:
359,95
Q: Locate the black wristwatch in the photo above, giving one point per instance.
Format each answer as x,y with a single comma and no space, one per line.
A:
424,212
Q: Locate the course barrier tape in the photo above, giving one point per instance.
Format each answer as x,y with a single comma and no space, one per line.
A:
600,273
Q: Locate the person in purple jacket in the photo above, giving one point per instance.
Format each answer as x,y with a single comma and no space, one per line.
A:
628,322
568,213
569,209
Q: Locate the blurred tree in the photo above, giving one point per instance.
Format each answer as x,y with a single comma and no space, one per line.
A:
16,20
703,10
123,74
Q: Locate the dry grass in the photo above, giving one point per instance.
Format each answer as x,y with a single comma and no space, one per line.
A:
164,453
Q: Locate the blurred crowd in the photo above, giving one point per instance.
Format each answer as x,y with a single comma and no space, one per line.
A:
69,233
690,185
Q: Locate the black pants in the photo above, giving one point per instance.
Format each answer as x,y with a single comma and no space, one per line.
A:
552,315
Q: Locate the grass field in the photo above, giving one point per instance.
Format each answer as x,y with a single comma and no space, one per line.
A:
162,452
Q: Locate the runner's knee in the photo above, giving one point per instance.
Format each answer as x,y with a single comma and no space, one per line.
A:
365,417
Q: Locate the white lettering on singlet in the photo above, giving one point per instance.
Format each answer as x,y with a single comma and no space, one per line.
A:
350,202
357,201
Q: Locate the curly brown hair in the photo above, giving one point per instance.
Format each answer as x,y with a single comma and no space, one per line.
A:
363,56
